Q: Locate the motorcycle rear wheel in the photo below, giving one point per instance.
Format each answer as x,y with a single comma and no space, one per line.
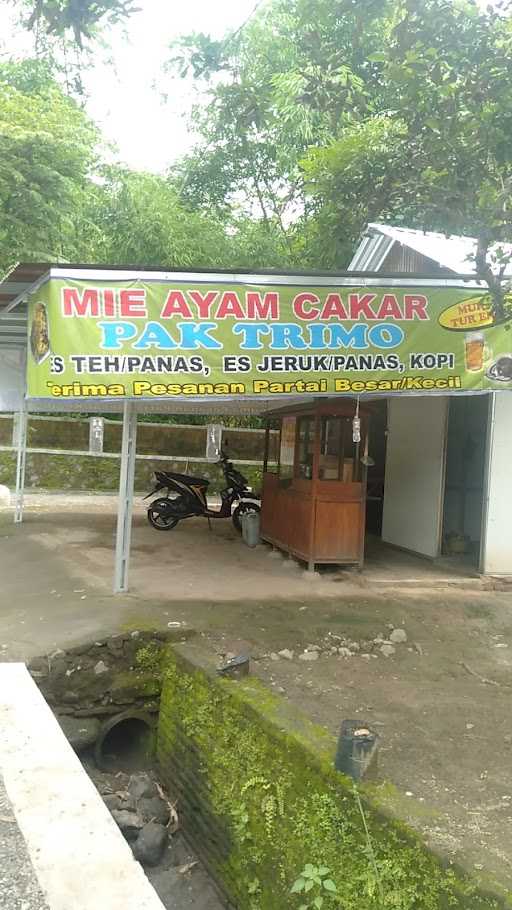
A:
161,522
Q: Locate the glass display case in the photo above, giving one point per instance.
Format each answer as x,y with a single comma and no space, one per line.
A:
314,501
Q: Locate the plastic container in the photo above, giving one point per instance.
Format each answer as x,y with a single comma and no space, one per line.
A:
251,528
357,749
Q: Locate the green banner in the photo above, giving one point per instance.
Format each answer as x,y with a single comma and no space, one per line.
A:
148,339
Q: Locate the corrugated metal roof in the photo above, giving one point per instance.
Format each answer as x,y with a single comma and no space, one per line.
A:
452,252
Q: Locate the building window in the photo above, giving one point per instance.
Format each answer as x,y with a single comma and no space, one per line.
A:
305,447
287,448
338,453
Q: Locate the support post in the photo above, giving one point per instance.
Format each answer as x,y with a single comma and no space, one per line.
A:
267,447
21,445
124,510
496,552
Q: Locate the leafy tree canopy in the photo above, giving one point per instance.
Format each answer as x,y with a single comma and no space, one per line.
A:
76,18
47,156
60,201
331,114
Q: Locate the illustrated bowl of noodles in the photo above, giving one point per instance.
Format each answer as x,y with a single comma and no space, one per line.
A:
39,333
501,369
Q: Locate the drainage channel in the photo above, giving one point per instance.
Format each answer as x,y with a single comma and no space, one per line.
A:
148,820
105,695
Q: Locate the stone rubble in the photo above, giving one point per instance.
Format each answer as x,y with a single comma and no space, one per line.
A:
141,814
150,844
129,822
344,652
142,786
336,645
287,654
387,649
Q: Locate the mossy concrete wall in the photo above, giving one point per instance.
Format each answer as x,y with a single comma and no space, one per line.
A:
95,473
152,438
53,470
258,795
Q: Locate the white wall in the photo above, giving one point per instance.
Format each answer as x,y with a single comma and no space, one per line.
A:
497,542
415,458
12,378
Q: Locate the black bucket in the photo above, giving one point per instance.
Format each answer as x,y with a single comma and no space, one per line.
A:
357,749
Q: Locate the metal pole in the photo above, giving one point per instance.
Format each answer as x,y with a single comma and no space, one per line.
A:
486,494
124,511
21,442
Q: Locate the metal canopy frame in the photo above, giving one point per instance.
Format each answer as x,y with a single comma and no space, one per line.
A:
130,410
125,504
21,456
25,278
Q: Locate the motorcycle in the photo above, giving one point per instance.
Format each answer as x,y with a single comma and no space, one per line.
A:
186,498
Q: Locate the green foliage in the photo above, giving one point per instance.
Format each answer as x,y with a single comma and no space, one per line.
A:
149,658
80,18
315,886
288,79
268,803
354,180
433,149
97,474
313,120
333,114
47,156
59,202
142,222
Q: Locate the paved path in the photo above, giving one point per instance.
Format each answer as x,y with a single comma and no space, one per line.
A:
19,887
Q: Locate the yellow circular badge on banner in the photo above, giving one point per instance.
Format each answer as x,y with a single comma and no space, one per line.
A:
474,313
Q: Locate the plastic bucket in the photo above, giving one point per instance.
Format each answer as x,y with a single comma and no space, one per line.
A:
357,749
251,528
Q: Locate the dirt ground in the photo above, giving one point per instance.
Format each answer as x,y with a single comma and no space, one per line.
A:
441,702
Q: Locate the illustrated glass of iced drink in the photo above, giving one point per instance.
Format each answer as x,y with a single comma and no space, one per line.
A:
474,351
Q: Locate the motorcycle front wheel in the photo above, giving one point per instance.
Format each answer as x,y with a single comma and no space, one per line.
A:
158,520
242,508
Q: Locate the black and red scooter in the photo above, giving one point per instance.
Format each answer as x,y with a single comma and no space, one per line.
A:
186,498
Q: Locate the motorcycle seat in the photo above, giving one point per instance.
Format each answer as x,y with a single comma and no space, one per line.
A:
189,479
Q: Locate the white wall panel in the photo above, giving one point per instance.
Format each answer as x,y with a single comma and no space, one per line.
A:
415,459
12,379
497,543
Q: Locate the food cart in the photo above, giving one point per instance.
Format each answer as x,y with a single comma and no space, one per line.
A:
314,501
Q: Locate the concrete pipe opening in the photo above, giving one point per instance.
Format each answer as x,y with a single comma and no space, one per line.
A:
126,743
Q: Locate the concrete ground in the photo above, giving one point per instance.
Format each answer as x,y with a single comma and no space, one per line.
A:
441,702
57,572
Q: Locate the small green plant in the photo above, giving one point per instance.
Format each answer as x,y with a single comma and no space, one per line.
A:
374,881
240,817
272,803
149,658
315,885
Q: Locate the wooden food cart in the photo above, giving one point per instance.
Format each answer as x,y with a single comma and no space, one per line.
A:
314,502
